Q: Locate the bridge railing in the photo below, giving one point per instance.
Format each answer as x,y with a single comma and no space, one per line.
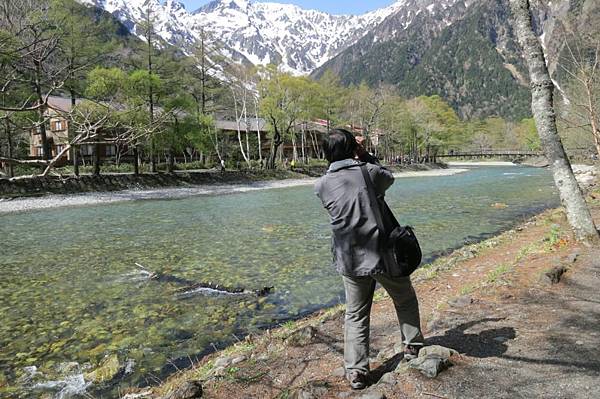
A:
488,153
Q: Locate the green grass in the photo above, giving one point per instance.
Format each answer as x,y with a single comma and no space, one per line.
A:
494,276
289,325
527,250
469,288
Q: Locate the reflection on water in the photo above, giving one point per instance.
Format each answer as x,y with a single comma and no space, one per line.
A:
71,292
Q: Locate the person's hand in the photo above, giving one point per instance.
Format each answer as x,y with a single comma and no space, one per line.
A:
360,146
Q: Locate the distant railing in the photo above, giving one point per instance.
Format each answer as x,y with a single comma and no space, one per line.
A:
490,153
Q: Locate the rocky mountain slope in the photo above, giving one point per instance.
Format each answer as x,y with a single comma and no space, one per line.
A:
462,50
466,52
253,32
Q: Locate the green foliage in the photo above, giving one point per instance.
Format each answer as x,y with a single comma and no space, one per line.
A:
495,275
200,136
106,83
125,76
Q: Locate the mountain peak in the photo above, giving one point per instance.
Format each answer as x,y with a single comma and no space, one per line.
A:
240,5
258,33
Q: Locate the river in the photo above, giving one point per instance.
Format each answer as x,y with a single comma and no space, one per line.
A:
71,291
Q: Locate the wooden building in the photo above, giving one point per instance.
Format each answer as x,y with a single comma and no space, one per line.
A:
57,133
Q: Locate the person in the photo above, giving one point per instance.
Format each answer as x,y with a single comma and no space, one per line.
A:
356,251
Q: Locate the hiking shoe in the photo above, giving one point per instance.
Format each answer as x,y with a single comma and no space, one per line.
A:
357,380
411,351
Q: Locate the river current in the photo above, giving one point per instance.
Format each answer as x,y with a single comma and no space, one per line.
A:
71,292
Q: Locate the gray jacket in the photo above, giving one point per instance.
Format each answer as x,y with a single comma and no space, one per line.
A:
344,195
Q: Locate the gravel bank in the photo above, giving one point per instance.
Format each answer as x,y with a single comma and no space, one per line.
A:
65,200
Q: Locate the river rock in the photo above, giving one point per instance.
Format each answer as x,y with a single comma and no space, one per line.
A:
339,372
312,390
461,301
67,368
222,362
554,275
188,390
302,337
374,394
108,369
238,359
572,258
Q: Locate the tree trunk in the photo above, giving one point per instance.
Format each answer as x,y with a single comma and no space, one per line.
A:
96,160
238,120
41,111
303,139
260,157
294,147
71,134
542,107
10,168
593,117
170,161
136,160
275,144
151,95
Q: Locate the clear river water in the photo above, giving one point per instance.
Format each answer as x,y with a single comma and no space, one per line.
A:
70,290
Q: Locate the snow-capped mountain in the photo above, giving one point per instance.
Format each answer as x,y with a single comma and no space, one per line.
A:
259,32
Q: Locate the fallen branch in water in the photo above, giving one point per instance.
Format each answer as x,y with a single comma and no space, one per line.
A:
191,286
227,290
146,272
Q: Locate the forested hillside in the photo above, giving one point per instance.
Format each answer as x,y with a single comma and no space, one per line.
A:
473,63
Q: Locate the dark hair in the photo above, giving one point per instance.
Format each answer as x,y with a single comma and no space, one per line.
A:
339,145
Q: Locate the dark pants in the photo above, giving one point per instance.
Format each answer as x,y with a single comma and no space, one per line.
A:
359,298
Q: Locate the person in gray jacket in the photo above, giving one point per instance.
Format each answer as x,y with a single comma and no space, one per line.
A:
357,255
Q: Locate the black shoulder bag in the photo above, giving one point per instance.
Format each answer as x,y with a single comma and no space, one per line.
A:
401,239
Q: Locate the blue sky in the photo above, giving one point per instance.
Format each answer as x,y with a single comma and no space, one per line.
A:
331,6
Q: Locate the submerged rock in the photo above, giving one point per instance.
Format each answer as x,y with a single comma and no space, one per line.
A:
108,369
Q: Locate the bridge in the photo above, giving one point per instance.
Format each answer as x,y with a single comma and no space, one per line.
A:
490,154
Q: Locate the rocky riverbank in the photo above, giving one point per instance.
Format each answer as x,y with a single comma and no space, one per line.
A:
40,186
518,308
52,192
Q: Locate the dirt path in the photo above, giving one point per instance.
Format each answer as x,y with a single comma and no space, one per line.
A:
519,334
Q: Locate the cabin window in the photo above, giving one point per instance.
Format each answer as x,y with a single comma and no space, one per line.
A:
58,125
111,150
39,151
87,149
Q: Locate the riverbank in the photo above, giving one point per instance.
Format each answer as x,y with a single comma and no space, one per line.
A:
215,184
59,184
519,307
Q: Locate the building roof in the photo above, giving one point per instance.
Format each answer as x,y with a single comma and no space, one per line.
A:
254,125
62,103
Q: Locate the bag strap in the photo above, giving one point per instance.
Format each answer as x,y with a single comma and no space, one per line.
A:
375,207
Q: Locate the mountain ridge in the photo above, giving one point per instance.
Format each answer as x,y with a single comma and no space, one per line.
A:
258,33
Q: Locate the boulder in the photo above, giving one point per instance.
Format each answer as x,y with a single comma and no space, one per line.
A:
108,369
302,337
188,390
554,275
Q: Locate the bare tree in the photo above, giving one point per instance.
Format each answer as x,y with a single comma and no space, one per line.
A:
148,31
34,66
581,64
542,90
239,86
